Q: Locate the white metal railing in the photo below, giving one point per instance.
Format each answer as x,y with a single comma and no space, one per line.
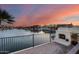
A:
15,43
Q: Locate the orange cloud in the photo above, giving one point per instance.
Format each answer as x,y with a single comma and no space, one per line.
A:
46,19
21,21
72,11
52,18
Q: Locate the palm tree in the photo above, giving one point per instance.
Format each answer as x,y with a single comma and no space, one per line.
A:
5,17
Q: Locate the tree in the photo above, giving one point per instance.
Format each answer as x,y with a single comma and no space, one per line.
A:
6,17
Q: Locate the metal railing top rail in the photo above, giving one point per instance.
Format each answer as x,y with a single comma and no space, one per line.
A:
21,35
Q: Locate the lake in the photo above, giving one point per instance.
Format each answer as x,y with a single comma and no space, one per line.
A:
15,40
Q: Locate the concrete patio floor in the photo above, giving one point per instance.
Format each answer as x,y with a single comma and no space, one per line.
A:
48,48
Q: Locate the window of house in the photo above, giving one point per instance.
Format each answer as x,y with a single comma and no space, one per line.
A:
62,36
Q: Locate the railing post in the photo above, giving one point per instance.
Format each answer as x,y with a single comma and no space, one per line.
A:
2,45
33,40
50,37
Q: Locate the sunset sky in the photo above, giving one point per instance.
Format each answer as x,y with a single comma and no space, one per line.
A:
36,14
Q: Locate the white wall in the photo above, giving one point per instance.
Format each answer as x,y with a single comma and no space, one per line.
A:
62,41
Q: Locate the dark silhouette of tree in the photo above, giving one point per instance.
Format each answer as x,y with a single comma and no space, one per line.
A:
6,17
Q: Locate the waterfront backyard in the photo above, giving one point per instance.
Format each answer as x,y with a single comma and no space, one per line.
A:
25,30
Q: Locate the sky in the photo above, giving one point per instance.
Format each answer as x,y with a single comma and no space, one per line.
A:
42,14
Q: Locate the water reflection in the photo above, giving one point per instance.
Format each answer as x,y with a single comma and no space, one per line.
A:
20,39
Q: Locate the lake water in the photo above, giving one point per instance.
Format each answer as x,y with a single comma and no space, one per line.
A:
15,40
